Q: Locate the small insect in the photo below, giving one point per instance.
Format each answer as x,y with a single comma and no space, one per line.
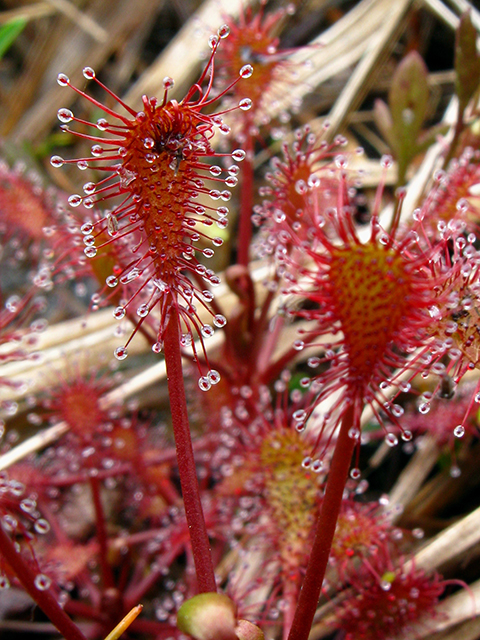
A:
447,387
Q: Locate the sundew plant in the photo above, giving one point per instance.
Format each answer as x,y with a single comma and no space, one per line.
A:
240,320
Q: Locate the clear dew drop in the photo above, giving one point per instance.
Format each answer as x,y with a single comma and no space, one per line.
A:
341,162
119,313
120,353
89,188
238,155
75,200
354,433
87,228
4,583
65,115
355,473
88,73
90,252
213,376
385,585
42,526
57,161
213,41
245,104
307,462
42,582
111,281
223,31
204,383
397,410
246,71
168,82
231,181
455,472
300,415
112,225
424,407
148,143
215,170
63,80
219,320
185,340
391,440
459,431
157,347
207,331
386,161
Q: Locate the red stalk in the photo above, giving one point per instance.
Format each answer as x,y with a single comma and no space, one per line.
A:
325,529
186,462
45,600
246,203
107,574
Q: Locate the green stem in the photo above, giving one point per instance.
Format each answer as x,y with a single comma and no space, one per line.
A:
325,529
44,598
186,462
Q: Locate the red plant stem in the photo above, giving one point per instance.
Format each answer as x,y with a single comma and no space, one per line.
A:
107,574
45,600
185,460
325,529
246,202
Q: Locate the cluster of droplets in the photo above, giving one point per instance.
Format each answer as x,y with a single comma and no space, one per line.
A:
300,188
386,599
21,519
141,148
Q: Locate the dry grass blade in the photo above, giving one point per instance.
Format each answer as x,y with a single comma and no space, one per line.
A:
73,51
335,51
81,19
414,474
379,47
188,46
29,12
451,543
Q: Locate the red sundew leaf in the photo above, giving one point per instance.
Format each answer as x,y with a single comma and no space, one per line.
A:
467,61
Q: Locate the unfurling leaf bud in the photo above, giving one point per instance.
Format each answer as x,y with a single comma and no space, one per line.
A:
208,616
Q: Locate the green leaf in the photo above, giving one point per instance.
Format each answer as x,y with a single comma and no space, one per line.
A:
383,120
408,100
9,33
467,61
429,136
